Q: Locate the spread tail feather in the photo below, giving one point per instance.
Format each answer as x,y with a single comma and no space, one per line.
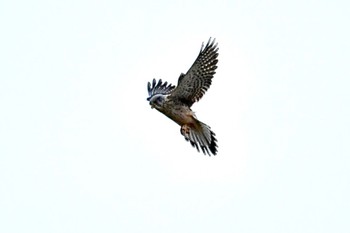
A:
200,136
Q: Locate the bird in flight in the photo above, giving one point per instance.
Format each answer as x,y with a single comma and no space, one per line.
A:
176,102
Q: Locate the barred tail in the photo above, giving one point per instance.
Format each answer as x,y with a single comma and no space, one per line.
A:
200,136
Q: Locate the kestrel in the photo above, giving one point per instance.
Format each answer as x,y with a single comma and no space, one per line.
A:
176,102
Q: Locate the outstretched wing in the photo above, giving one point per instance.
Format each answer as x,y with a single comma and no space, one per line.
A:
192,85
158,88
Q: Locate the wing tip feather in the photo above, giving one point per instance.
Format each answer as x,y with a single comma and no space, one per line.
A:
158,88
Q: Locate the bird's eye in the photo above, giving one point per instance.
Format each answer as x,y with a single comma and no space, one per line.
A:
159,99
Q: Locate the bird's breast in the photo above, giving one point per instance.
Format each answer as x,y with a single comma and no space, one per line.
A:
181,114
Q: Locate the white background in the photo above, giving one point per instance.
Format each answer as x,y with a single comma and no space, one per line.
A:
82,151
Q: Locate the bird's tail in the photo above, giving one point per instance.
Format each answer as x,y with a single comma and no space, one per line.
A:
200,136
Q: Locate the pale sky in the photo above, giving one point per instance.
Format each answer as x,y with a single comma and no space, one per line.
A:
82,151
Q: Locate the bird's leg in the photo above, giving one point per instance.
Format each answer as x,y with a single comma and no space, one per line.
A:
185,130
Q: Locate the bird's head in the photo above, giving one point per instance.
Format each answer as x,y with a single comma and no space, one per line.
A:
157,101
158,92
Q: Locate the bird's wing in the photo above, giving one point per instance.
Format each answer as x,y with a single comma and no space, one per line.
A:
158,88
192,85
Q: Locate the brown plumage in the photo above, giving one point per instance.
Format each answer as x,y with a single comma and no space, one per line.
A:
175,102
